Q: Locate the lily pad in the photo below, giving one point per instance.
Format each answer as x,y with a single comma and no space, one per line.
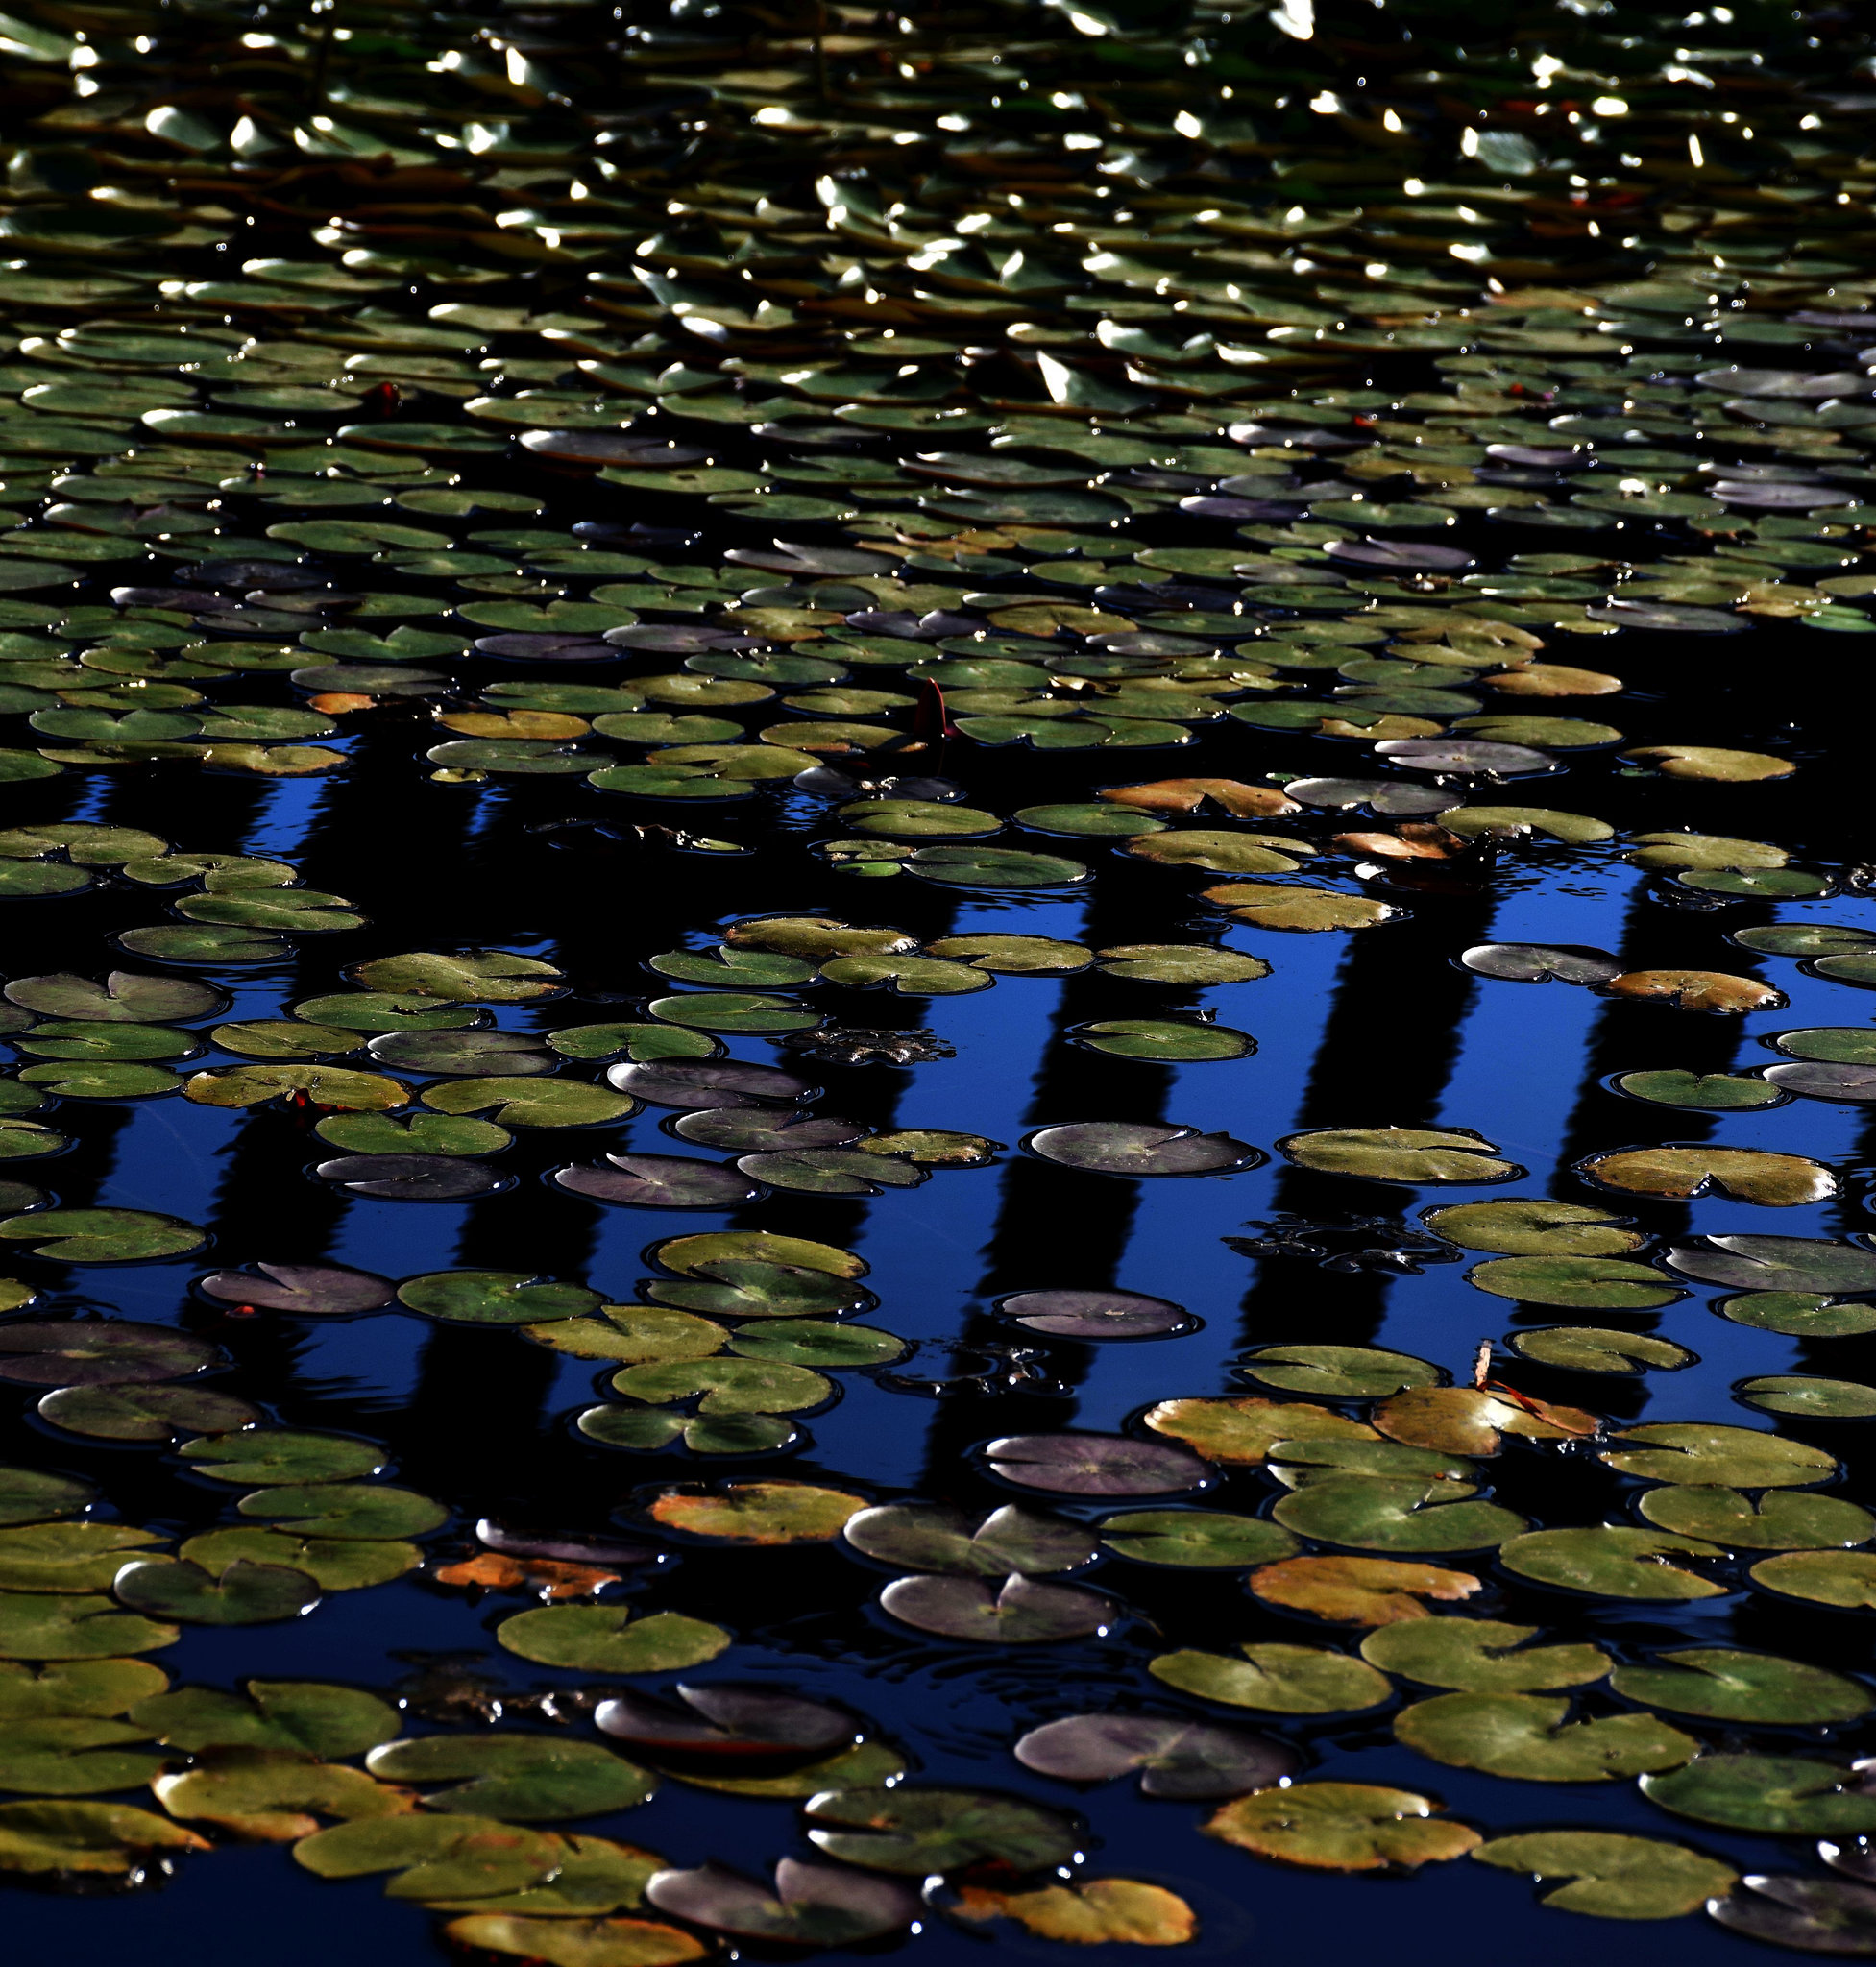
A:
1019,1610
1814,1915
1420,1156
1358,1590
761,1513
244,1593
1198,1539
1135,1149
1342,1827
496,1298
1373,1513
922,1830
1480,1656
1344,1373
1843,1578
518,1778
1722,1684
1071,1464
1610,1875
811,1905
1785,1795
934,1537
1711,1452
605,1639
1613,1562
1528,1736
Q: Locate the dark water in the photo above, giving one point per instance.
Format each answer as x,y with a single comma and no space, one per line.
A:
1617,276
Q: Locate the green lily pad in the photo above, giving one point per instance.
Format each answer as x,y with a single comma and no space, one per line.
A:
1275,1679
1710,1092
441,1857
1341,1826
422,1134
316,1086
244,1593
1172,1041
45,1625
640,1043
267,1456
518,1778
1584,1283
53,1838
1612,1563
1480,1656
1610,1875
1843,1578
308,1716
1527,1226
1783,1520
934,1537
1711,1452
1819,1400
124,997
1785,1795
528,1103
814,1342
1196,1539
1374,1512
101,1236
34,1496
1422,1157
345,1509
1721,1684
69,1557
1339,1373
1194,964
726,1386
474,977
496,1298
924,1830
1590,1349
146,1413
1798,1314
1527,1737
605,1639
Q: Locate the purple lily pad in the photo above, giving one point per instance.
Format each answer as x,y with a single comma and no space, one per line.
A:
1850,1085
1175,1758
1812,1914
1131,1148
673,639
729,1083
605,1550
1472,757
1211,505
1096,1464
1666,616
1098,1313
1020,1609
935,1536
1537,962
1142,642
1540,456
716,1722
608,448
412,1177
813,1904
660,1181
546,648
1401,553
306,1288
1394,796
100,1352
1760,495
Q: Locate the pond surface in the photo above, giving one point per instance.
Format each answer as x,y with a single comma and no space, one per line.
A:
937,948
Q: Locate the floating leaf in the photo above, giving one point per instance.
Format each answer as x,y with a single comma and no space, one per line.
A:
1370,1512
100,1352
1843,1578
1750,1175
923,1830
605,1639
1174,1757
1422,1157
1102,1910
435,1857
1135,1149
1711,1452
1589,1349
307,1717
44,1625
1342,1827
1072,1464
1526,1227
1774,1263
1094,1315
1820,1399
1358,1590
758,1512
561,1942
1711,1092
1173,1041
1724,1684
1783,1520
101,1236
44,1838
1246,1429
932,1536
1586,1283
1789,1795
977,1609
269,1455
1480,1656
1815,1915
1709,991
496,1298
1200,1539
244,1593
1612,1561
519,1778
813,1905
1297,906
1610,1875
1344,1373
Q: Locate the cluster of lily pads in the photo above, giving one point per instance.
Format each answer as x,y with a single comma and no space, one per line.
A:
835,419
